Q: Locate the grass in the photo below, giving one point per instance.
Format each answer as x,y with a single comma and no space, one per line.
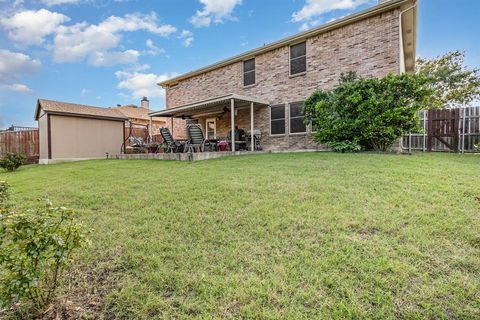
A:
293,236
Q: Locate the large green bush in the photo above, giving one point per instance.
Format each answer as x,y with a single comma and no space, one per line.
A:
12,161
35,246
366,113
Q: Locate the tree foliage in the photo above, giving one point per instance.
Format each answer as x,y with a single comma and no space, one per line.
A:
35,246
366,113
453,83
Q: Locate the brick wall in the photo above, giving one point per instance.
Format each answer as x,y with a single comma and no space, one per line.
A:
370,47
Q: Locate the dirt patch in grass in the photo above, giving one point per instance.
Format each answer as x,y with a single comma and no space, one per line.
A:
86,287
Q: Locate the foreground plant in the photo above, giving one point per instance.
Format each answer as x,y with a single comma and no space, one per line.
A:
35,247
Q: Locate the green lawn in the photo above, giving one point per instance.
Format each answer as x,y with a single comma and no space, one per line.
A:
292,236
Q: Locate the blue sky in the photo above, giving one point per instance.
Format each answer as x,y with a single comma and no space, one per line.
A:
108,52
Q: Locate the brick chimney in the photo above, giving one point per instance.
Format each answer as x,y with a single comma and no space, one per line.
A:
145,103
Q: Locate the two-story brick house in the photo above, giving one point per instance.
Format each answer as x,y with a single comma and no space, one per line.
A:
263,89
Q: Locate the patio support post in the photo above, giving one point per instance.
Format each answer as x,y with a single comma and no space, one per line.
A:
150,130
252,140
232,122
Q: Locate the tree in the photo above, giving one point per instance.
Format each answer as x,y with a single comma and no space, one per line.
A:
363,113
453,83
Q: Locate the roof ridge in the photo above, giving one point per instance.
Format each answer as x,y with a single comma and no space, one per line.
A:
76,104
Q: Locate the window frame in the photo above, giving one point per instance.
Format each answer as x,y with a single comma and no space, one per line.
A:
214,120
290,60
284,120
245,72
296,117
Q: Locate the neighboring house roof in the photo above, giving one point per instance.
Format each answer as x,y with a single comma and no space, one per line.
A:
134,112
73,109
409,39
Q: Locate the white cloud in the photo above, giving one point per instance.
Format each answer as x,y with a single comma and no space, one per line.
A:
97,43
139,67
31,27
142,84
187,37
152,49
17,87
84,92
215,11
314,8
12,66
111,58
59,2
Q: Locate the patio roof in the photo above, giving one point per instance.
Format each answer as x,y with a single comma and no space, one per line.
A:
212,103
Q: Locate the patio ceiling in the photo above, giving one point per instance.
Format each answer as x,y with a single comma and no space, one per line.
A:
217,103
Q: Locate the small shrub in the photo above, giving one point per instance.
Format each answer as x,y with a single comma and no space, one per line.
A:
12,161
35,246
477,147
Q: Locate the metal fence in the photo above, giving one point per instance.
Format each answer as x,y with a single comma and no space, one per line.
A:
469,133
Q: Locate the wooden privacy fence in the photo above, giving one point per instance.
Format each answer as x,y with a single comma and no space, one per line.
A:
25,142
449,130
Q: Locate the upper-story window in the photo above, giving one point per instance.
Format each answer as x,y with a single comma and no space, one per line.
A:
298,58
297,124
249,72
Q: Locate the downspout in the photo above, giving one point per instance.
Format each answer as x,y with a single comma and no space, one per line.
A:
402,51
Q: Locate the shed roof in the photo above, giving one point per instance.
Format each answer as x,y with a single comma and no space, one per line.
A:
73,109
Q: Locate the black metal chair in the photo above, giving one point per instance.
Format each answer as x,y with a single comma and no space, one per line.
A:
170,144
196,140
240,139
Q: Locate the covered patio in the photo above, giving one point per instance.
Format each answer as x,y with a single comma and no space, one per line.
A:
210,115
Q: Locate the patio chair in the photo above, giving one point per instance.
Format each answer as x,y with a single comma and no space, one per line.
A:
170,144
196,140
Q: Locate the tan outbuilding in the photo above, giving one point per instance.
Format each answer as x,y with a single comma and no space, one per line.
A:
71,132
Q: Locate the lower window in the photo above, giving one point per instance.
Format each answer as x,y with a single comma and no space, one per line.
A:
297,124
277,119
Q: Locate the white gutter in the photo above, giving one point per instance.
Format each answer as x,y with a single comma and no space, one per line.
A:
402,50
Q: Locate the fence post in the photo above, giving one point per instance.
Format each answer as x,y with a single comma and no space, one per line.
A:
464,110
424,130
410,142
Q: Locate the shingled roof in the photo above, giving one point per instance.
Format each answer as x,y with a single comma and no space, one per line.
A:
134,112
65,108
